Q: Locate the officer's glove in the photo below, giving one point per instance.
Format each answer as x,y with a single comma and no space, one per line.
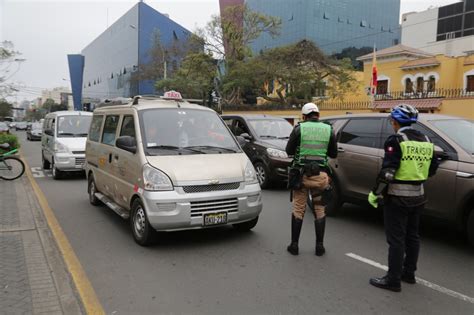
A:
374,199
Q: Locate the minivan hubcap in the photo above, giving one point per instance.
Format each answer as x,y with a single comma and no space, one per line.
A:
92,191
260,174
139,221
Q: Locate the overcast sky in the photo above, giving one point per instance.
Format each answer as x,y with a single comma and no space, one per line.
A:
46,31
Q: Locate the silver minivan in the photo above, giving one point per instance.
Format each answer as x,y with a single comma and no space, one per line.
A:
169,165
63,141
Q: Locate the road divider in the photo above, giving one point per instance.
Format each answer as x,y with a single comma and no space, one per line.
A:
428,284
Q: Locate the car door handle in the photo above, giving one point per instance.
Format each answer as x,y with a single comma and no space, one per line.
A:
110,157
340,150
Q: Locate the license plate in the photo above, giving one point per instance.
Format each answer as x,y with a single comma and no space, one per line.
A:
215,218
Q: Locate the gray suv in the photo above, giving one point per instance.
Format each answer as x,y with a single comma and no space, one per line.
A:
360,144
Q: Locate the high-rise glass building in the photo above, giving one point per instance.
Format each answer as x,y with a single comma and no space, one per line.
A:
332,24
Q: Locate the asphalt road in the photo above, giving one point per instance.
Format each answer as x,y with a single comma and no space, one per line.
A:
221,271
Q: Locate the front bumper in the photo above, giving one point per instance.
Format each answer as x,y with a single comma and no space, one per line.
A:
278,168
177,210
69,162
35,137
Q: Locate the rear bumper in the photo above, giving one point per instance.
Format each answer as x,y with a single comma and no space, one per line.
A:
176,210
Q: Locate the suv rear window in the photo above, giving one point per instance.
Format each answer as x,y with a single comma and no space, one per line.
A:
362,132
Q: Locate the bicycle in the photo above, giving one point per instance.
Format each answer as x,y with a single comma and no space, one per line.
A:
11,167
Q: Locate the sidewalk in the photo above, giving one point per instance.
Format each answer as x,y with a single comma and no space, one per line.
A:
33,276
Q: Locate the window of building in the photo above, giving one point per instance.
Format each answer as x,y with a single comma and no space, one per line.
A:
112,75
470,83
420,82
110,129
96,124
408,85
326,16
175,36
362,132
469,20
349,21
124,70
382,87
320,90
383,29
431,84
340,20
363,23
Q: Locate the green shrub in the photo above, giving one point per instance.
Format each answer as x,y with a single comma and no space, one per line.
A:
10,139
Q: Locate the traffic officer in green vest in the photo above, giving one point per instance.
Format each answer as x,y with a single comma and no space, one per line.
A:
408,162
310,142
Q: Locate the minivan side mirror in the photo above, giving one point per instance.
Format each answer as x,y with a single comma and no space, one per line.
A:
241,140
49,132
440,153
127,143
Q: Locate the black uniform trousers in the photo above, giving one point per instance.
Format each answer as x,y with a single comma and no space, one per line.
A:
401,229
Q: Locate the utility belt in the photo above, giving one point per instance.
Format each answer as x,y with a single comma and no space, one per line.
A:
309,168
406,190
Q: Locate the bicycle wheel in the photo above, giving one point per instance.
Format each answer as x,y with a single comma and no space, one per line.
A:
11,168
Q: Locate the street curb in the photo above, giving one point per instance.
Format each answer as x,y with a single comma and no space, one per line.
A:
86,291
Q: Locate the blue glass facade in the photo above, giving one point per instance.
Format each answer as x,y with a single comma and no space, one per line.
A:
104,68
332,24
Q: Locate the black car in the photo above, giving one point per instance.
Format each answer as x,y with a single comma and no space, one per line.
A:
266,138
34,132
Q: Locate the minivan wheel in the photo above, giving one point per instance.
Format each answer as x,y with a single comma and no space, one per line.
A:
246,226
92,191
46,165
142,231
56,173
470,228
262,175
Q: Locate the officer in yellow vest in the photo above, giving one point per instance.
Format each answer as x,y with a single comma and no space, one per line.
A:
408,162
310,142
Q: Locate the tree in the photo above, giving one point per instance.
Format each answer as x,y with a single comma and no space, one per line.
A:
51,106
301,71
353,53
5,109
228,38
7,59
194,78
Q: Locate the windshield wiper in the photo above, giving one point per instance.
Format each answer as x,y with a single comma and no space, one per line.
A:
174,148
66,134
210,147
269,136
284,137
81,134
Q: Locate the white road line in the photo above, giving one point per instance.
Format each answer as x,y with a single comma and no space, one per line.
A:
420,281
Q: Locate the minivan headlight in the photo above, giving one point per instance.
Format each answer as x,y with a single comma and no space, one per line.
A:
277,153
250,175
60,148
155,180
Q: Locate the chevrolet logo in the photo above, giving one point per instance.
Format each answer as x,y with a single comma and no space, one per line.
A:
213,182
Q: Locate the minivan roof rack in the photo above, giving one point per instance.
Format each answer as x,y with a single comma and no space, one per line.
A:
114,101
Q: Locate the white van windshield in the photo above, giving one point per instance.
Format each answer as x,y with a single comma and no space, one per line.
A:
73,126
185,131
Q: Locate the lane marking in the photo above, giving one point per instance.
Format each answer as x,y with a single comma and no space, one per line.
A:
426,283
84,287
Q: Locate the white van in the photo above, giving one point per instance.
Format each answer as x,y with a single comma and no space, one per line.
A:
169,165
63,141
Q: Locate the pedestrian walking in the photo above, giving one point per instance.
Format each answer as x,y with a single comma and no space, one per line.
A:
310,142
408,162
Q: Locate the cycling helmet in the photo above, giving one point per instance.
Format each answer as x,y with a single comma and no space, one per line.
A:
404,114
309,108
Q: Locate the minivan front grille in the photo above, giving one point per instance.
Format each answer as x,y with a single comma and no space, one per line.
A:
200,207
205,188
80,161
78,152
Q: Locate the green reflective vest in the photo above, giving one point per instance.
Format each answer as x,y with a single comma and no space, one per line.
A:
314,142
415,161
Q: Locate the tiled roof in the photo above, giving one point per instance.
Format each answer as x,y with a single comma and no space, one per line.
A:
420,63
433,103
396,50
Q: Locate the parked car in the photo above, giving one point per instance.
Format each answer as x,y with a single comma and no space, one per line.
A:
4,128
266,138
63,141
450,192
169,165
34,132
21,125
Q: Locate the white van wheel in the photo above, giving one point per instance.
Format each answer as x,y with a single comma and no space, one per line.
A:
56,172
46,165
92,191
142,231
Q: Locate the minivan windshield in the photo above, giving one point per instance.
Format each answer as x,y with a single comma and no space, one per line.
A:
73,126
36,126
179,131
271,128
460,131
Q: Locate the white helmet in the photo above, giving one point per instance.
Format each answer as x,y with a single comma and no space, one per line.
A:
309,108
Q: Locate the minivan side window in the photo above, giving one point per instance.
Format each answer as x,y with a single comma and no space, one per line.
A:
110,128
362,132
96,124
128,127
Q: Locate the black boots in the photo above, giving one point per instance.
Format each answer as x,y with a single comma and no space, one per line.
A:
386,283
319,227
296,225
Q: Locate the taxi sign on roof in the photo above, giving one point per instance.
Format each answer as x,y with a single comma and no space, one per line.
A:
172,95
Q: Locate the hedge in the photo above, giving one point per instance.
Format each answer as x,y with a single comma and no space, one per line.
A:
10,139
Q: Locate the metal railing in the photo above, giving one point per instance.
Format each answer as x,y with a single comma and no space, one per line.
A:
437,93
